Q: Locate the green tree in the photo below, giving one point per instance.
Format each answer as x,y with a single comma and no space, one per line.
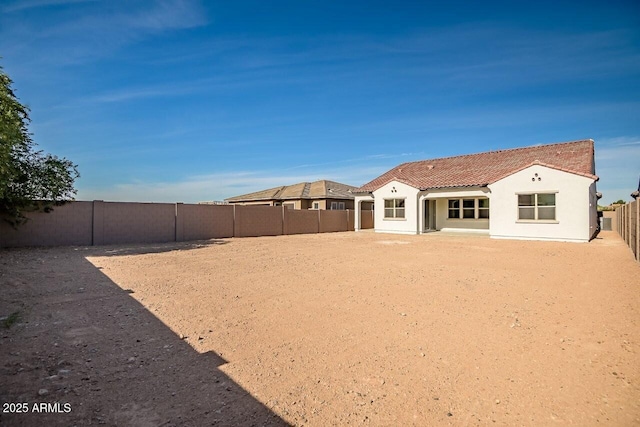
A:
29,179
619,202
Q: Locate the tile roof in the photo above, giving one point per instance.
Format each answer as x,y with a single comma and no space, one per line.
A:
323,189
485,168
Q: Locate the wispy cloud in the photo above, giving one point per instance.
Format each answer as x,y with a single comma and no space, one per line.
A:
223,185
32,4
67,38
166,15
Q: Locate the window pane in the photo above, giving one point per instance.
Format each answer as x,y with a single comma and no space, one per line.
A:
468,203
454,213
526,199
483,213
388,203
400,203
388,213
468,213
483,203
546,213
400,213
526,213
546,199
454,204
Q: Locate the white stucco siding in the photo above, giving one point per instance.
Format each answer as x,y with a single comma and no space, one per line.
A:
396,190
572,213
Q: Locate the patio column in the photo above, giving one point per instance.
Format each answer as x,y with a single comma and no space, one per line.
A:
420,215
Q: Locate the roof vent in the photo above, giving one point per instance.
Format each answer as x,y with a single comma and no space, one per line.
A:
429,167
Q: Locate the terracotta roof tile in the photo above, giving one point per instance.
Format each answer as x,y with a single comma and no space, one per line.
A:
485,168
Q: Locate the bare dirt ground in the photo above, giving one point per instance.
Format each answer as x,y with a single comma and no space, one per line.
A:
328,329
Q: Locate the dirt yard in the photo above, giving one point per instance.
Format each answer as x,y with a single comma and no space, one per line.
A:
328,329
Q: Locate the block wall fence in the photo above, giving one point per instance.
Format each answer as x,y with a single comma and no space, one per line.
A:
628,225
105,223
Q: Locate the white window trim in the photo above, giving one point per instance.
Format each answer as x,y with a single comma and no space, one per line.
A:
384,209
535,208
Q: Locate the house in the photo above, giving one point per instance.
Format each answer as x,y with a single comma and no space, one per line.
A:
543,192
323,194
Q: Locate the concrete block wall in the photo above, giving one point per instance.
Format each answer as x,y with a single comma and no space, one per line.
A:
253,221
332,221
301,222
628,226
198,222
135,223
69,224
104,223
351,220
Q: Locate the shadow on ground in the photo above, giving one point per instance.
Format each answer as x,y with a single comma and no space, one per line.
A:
82,340
148,248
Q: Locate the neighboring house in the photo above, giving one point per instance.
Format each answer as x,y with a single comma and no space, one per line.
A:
539,192
325,195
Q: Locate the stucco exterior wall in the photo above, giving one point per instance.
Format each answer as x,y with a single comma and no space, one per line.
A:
572,221
348,204
396,190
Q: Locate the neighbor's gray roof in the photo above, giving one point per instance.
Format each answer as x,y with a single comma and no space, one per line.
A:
485,168
322,189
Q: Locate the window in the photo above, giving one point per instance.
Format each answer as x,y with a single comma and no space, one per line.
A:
454,208
537,207
289,205
483,208
316,205
468,208
394,208
337,206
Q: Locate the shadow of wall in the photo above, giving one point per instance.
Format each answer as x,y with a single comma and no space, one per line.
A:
88,343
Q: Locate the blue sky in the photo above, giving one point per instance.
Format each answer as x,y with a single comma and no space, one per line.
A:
201,100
